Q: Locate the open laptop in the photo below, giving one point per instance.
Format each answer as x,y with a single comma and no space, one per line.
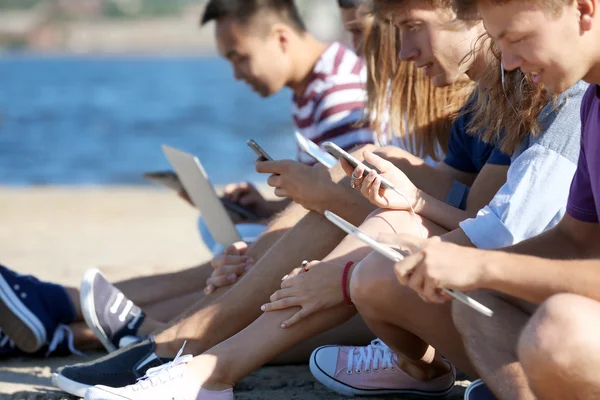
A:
193,177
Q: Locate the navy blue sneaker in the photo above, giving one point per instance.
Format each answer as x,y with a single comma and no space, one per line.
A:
107,311
121,368
8,348
477,390
30,310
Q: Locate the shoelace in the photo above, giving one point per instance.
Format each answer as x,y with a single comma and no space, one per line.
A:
62,332
374,357
159,375
5,341
135,319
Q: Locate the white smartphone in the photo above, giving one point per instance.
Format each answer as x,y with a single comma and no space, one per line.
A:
313,150
396,256
338,152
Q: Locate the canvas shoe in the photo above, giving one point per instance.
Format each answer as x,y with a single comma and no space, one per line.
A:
372,370
31,310
107,311
478,390
169,381
121,368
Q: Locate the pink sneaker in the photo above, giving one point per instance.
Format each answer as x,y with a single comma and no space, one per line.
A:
372,370
169,381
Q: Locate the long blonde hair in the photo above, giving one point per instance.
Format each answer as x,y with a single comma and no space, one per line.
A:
420,114
502,114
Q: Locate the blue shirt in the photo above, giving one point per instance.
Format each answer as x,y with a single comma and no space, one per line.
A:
467,153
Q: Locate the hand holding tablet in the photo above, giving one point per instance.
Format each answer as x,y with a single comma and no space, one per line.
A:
397,256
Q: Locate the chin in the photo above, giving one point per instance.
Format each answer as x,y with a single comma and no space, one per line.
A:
441,80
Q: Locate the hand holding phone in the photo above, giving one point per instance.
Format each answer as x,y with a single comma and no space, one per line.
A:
260,152
396,256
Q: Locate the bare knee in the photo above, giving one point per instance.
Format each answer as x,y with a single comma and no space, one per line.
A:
557,336
369,281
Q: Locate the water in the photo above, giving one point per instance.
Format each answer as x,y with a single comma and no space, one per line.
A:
99,121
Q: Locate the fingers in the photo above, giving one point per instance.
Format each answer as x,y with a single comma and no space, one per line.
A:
405,269
299,316
348,169
215,282
270,167
378,194
226,260
235,190
381,164
417,281
310,265
237,249
282,294
275,181
281,304
358,176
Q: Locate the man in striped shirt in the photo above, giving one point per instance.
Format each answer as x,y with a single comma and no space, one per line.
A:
269,48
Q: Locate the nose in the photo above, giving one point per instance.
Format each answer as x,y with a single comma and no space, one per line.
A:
510,61
409,52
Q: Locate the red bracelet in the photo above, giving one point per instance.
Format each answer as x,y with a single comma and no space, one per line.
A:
344,283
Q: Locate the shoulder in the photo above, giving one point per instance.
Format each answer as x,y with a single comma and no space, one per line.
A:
560,123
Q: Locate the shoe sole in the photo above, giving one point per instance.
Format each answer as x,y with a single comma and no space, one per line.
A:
22,326
69,386
346,390
88,309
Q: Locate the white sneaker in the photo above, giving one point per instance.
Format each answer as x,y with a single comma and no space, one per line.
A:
170,381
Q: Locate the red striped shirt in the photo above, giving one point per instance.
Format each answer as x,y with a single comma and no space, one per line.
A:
332,107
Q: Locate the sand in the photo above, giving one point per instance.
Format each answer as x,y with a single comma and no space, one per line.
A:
57,233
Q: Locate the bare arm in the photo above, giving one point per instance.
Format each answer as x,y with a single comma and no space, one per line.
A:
486,185
525,274
436,182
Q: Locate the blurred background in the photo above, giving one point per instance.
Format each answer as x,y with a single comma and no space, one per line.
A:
90,89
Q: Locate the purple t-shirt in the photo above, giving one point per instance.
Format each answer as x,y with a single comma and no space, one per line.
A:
584,198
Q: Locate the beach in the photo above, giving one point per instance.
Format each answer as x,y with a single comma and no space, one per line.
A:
56,233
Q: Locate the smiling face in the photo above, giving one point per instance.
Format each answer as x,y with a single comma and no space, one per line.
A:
434,41
259,55
551,44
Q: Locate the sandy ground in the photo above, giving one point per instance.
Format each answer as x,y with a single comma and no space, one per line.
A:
57,233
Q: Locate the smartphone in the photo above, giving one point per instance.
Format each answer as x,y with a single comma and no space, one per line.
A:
262,154
313,150
396,256
338,152
238,209
165,178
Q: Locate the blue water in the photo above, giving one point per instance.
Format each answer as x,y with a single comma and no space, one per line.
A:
97,121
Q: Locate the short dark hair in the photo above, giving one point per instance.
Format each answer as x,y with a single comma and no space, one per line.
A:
346,4
244,10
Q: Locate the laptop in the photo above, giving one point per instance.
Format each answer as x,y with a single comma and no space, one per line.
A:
193,177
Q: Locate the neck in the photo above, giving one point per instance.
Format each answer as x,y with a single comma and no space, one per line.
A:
304,59
478,65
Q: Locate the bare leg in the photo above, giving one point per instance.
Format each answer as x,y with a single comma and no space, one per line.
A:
229,310
157,288
491,343
351,333
560,349
223,365
418,332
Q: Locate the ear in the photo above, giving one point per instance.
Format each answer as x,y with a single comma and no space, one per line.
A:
587,11
283,35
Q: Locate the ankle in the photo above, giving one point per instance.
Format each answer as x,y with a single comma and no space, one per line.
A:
212,373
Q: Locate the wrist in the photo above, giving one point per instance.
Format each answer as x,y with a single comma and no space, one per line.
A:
491,269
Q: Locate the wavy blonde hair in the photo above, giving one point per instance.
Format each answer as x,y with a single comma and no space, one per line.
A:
467,9
505,114
500,114
420,114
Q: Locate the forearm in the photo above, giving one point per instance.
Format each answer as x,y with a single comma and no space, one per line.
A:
348,203
536,279
438,211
